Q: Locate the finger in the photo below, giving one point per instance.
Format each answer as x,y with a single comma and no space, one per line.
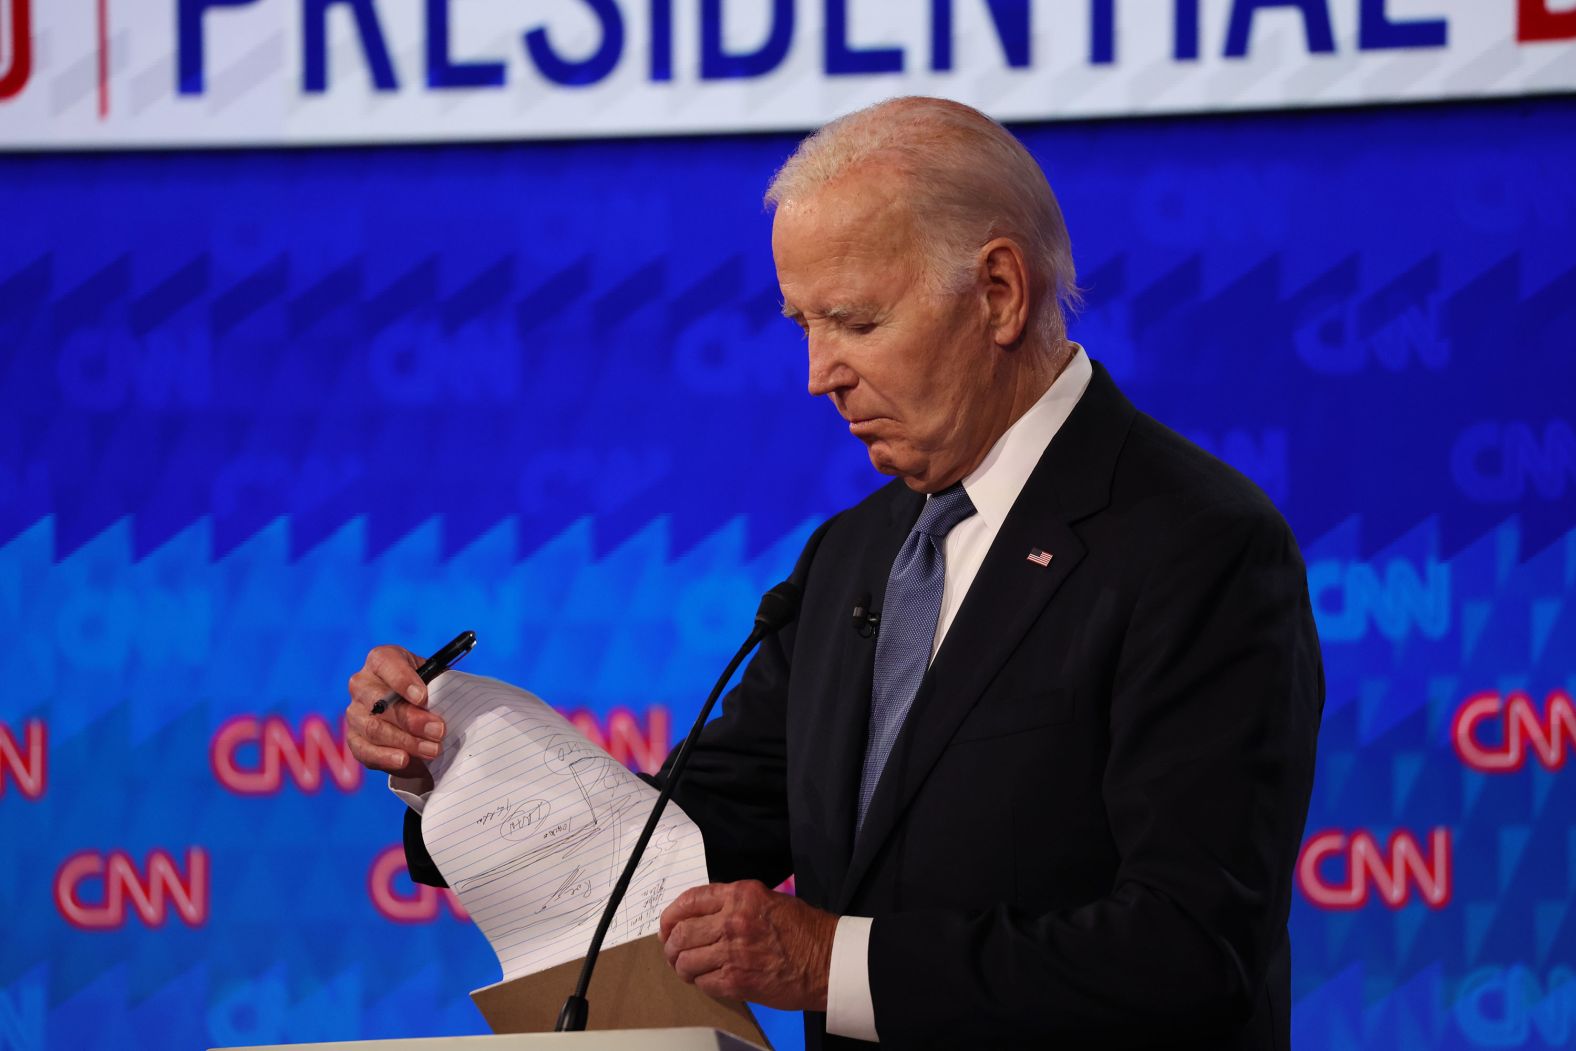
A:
692,965
680,909
366,689
418,722
397,668
386,734
368,738
388,760
697,901
692,934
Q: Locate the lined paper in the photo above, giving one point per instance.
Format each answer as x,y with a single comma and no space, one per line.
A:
531,825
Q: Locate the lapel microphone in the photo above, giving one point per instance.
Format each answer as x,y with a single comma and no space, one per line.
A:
866,623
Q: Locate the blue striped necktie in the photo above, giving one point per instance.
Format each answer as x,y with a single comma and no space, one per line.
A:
912,608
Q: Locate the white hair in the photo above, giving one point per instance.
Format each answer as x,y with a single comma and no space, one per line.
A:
964,179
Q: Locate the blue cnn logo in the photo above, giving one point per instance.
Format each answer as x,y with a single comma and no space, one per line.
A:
1499,463
1397,598
1501,1006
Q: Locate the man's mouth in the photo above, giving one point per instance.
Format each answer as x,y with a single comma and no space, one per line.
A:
862,427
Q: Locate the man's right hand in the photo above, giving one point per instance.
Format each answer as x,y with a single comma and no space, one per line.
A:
406,735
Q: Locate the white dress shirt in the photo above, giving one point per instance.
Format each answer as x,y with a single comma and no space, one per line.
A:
993,488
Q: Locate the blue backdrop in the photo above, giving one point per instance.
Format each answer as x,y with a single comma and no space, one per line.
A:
265,409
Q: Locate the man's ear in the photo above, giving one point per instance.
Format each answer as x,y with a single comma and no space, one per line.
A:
1006,276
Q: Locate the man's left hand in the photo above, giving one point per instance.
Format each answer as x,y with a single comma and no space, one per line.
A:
743,941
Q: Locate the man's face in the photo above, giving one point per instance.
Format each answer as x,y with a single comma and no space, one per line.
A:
913,371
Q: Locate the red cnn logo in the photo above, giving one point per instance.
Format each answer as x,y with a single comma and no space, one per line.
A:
1391,870
16,46
31,774
279,749
419,907
1550,735
120,881
625,739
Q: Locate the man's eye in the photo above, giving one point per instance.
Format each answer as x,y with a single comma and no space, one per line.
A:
860,328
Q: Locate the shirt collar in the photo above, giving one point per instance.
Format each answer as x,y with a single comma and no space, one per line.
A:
994,485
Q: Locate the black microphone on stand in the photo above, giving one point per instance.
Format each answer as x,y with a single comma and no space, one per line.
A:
778,608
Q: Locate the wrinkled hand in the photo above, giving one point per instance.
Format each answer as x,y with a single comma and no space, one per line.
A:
404,736
744,941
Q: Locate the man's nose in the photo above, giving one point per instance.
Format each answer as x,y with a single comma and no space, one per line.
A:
828,371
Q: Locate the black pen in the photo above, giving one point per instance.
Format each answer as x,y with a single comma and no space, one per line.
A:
438,663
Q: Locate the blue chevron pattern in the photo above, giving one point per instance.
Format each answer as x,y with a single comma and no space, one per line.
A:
265,409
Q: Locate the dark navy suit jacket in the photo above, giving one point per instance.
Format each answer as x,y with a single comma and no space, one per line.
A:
1085,833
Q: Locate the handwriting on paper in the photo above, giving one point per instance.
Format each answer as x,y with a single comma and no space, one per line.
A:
531,824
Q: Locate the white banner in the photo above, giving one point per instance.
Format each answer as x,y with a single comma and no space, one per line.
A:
157,73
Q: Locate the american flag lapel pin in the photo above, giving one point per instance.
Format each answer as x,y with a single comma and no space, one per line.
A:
1040,558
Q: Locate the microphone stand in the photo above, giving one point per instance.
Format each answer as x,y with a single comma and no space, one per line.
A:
784,605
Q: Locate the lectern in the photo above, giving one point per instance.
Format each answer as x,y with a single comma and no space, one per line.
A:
637,1004
603,1040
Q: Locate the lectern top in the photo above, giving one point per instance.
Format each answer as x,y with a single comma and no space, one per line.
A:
687,1039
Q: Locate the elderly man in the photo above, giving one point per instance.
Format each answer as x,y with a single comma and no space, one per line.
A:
1054,798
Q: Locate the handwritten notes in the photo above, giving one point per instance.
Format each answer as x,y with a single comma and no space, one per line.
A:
531,824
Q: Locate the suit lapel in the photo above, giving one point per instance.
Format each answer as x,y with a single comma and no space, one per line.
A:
1071,481
847,721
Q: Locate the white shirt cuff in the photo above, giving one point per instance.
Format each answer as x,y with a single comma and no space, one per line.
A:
849,1010
407,788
